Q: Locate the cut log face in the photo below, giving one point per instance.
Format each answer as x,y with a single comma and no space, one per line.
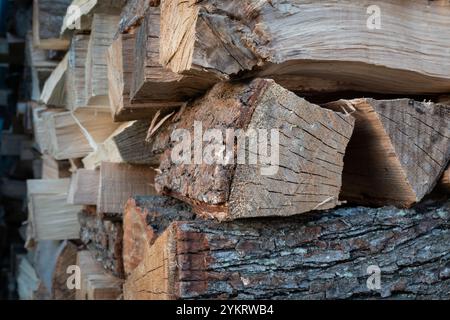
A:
54,92
104,239
126,145
104,27
145,218
397,153
302,173
261,259
96,284
151,81
279,40
76,92
121,61
119,182
84,187
48,16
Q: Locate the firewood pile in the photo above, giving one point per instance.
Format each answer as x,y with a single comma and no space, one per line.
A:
237,150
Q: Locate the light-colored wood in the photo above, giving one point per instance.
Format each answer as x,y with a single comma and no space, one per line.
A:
96,284
299,42
104,27
55,169
66,256
120,59
48,17
40,128
50,217
54,92
84,187
76,70
119,182
75,135
398,151
126,145
153,277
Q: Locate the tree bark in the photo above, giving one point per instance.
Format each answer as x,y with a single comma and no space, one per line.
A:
303,257
279,40
397,153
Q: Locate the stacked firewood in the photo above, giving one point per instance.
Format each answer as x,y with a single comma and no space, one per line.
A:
244,149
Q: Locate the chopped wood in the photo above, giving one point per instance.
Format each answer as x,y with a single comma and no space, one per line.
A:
67,256
397,153
310,46
75,135
126,145
84,187
119,182
54,92
304,173
76,69
96,284
120,59
40,128
303,257
50,216
151,81
104,239
55,169
133,13
48,18
104,27
144,219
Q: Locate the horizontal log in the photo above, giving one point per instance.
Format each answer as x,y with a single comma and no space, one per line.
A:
279,40
397,153
104,240
302,172
303,257
144,219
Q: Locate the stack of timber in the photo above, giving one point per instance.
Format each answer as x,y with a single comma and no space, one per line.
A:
241,149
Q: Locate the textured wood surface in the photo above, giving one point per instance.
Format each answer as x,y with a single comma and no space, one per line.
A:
48,16
298,43
307,175
119,182
104,240
54,91
54,169
76,93
67,257
84,187
144,219
304,257
398,151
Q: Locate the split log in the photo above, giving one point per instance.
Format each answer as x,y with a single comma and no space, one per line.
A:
40,129
144,219
133,13
53,169
397,153
67,256
50,217
302,173
126,145
104,240
79,17
120,60
119,182
75,135
48,18
151,81
104,27
76,88
279,40
54,92
84,187
96,284
303,257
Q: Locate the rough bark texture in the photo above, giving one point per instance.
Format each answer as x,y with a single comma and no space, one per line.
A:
133,14
145,218
304,257
299,43
104,239
398,151
307,175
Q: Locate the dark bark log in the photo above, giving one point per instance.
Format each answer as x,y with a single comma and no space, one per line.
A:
104,239
303,257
